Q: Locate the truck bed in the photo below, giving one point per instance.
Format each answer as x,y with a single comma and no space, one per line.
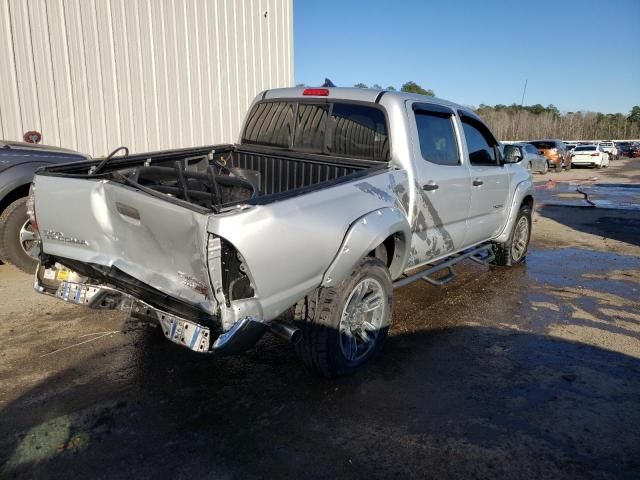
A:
206,177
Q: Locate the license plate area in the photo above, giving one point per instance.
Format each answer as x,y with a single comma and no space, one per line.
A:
186,333
77,293
183,332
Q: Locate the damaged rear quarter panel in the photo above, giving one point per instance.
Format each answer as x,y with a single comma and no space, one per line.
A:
288,245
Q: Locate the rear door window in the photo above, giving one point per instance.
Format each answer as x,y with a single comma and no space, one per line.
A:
437,138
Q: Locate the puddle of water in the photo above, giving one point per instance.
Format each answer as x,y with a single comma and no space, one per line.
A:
586,193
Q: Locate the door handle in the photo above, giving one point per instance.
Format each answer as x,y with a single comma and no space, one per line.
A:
477,182
431,186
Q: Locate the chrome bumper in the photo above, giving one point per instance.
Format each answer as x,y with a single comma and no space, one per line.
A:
241,336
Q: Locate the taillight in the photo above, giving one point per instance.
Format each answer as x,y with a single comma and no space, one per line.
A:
317,92
595,154
31,206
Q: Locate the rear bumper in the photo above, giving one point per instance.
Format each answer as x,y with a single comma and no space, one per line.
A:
187,333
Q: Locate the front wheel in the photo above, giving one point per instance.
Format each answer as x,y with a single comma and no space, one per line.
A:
514,250
345,326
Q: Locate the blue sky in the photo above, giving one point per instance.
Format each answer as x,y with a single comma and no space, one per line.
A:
577,55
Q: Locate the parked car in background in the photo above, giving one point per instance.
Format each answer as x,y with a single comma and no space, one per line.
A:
609,147
570,146
590,155
634,151
19,242
529,156
556,152
625,149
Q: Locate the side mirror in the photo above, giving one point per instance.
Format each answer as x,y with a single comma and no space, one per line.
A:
512,154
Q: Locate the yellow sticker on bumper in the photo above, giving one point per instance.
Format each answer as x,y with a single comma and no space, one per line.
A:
63,275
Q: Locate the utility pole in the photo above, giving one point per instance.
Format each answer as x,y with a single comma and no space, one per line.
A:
524,90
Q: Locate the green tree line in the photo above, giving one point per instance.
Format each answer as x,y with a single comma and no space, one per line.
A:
526,122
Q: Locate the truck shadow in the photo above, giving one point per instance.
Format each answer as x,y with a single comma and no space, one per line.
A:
449,402
621,225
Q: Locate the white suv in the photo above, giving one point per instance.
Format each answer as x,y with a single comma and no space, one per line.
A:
610,148
590,155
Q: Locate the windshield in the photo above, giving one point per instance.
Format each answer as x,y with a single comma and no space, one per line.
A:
585,149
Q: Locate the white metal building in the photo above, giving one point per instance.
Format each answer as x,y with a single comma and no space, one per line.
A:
92,75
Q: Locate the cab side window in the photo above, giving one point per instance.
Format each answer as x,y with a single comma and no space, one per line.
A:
437,138
480,146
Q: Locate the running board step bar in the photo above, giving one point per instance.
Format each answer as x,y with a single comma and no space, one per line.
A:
482,254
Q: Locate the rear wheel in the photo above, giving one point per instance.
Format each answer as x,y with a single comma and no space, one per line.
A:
545,168
345,326
514,250
19,242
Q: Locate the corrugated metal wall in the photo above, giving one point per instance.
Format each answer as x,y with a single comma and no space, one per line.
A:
149,74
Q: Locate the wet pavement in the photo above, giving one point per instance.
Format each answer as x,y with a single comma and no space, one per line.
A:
529,372
589,193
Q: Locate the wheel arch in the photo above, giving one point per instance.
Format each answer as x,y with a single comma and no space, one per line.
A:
523,195
386,227
18,192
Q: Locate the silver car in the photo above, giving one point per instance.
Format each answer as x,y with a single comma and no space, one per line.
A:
531,159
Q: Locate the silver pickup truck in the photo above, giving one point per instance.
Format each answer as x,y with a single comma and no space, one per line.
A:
331,199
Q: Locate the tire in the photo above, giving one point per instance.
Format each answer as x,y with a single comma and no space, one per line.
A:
326,342
510,253
12,221
545,169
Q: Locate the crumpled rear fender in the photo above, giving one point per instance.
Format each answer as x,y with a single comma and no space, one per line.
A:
363,236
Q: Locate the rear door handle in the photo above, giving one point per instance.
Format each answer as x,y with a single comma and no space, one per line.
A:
477,182
429,187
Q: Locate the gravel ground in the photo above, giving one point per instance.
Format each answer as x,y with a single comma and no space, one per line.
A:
530,372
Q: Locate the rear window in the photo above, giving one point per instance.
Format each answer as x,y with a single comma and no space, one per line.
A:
334,128
311,126
584,149
271,124
359,131
544,145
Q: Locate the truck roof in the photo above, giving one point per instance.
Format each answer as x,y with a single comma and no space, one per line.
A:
360,94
